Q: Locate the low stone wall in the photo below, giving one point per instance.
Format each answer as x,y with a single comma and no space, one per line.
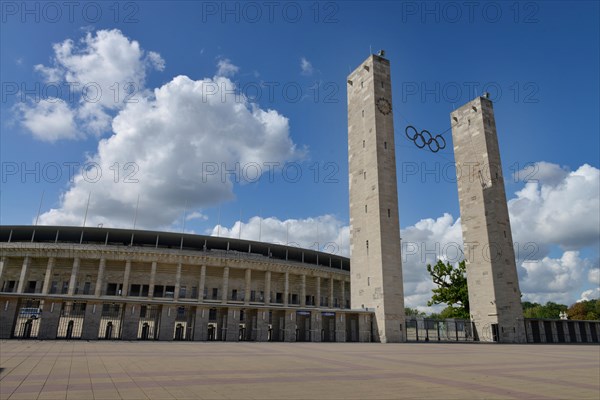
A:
562,331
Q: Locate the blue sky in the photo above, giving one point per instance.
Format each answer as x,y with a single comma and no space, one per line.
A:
539,61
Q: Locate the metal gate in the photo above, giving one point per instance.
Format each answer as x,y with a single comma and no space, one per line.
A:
148,325
27,322
184,322
111,321
70,324
432,330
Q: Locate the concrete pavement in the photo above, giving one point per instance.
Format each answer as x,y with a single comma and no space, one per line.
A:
219,370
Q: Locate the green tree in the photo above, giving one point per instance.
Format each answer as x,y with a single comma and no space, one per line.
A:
451,289
413,312
585,310
548,311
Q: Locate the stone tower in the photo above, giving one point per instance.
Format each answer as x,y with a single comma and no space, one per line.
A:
376,274
494,295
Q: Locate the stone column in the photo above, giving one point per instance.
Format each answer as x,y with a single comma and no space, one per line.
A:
167,323
315,326
364,328
7,317
152,280
225,285
49,320
73,280
267,287
340,327
343,292
125,290
290,326
262,325
100,279
47,276
233,325
330,302
286,289
318,300
177,282
303,290
23,276
91,321
131,322
201,284
248,288
201,324
3,262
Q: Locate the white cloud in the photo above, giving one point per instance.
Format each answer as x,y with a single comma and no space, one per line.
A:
156,61
226,68
543,172
49,119
196,215
591,294
553,279
594,276
306,67
326,232
162,146
50,74
558,212
104,71
424,243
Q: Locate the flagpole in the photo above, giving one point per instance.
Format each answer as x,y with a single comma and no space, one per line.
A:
39,208
136,211
86,209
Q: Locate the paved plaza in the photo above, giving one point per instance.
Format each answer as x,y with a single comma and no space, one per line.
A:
183,370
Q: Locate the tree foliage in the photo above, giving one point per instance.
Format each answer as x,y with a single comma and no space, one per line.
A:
451,289
585,310
413,312
548,311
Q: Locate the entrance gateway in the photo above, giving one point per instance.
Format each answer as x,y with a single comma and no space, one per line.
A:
376,273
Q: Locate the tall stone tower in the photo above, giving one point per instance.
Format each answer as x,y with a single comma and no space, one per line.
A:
494,295
376,274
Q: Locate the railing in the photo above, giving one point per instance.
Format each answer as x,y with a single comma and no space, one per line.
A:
433,330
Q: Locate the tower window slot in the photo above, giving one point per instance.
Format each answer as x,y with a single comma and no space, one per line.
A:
365,175
366,211
389,213
363,113
385,145
363,144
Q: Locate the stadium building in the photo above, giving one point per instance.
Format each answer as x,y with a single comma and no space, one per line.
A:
100,283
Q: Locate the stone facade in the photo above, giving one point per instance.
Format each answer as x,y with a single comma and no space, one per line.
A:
494,294
376,275
97,287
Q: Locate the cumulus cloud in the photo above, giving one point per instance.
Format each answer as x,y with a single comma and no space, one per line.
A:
162,147
226,68
591,294
306,67
424,243
594,276
325,233
563,212
104,72
553,279
49,119
195,215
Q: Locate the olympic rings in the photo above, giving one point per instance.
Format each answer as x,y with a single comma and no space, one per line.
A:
420,141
